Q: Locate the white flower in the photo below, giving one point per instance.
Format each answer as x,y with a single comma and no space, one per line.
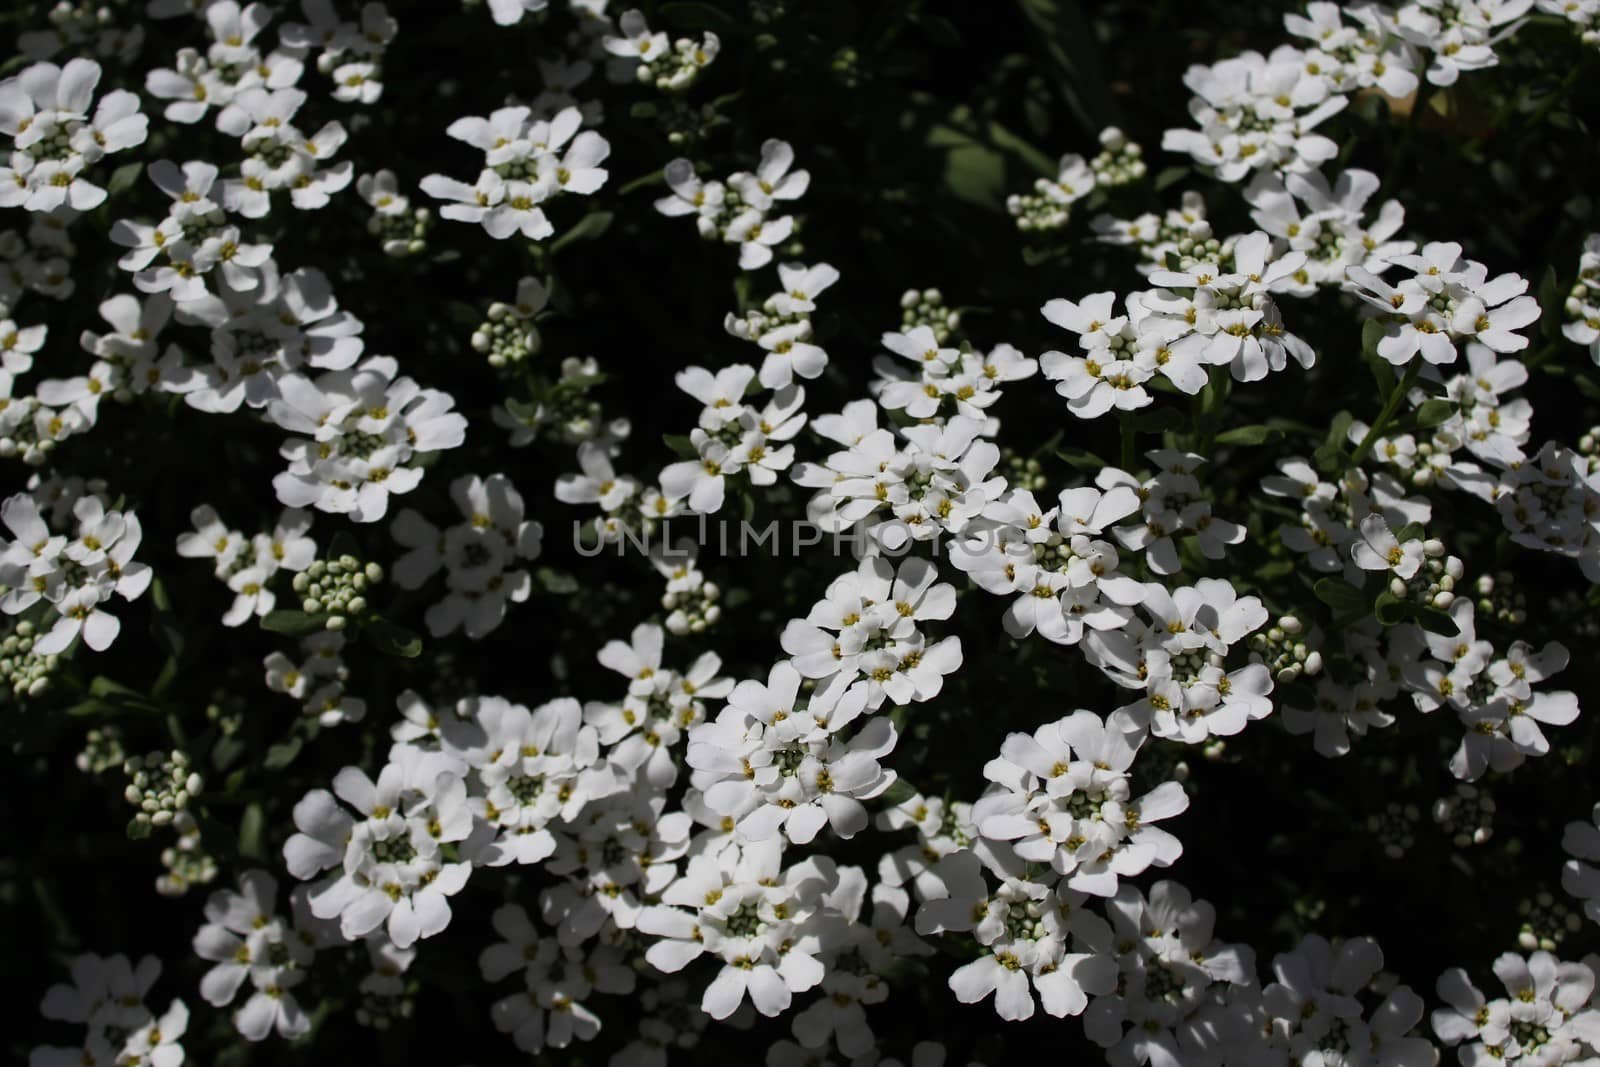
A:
1581,840
391,870
764,922
361,428
1544,1019
1064,800
1025,929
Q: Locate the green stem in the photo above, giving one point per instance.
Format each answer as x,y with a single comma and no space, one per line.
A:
1128,451
1402,387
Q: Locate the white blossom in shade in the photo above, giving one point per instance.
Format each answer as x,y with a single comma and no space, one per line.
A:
1545,1018
280,325
1026,929
616,855
799,781
359,429
1581,841
558,978
1493,698
1317,1004
856,964
479,555
107,997
1064,800
942,827
389,866
1380,550
1337,711
1582,306
106,992
1168,963
764,922
510,12
531,770
246,938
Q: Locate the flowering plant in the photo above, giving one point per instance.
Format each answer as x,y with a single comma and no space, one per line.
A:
1098,534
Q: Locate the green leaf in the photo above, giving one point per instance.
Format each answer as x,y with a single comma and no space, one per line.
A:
1341,596
1435,412
1170,176
226,752
1551,302
391,638
977,175
1248,435
122,179
1372,331
681,446
292,623
1004,138
558,582
1156,420
464,314
588,228
687,15
138,829
104,687
282,754
250,827
1081,458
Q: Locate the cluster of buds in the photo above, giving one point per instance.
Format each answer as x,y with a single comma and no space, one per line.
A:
926,308
676,69
1286,649
1498,598
401,229
1395,828
160,786
1467,815
1434,583
102,750
187,862
25,672
337,588
1022,472
1546,922
1120,162
505,337
508,336
692,609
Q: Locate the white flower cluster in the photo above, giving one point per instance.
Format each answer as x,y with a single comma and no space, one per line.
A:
107,998
1257,113
248,565
669,65
73,578
736,211
527,163
1583,301
318,681
45,112
479,555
